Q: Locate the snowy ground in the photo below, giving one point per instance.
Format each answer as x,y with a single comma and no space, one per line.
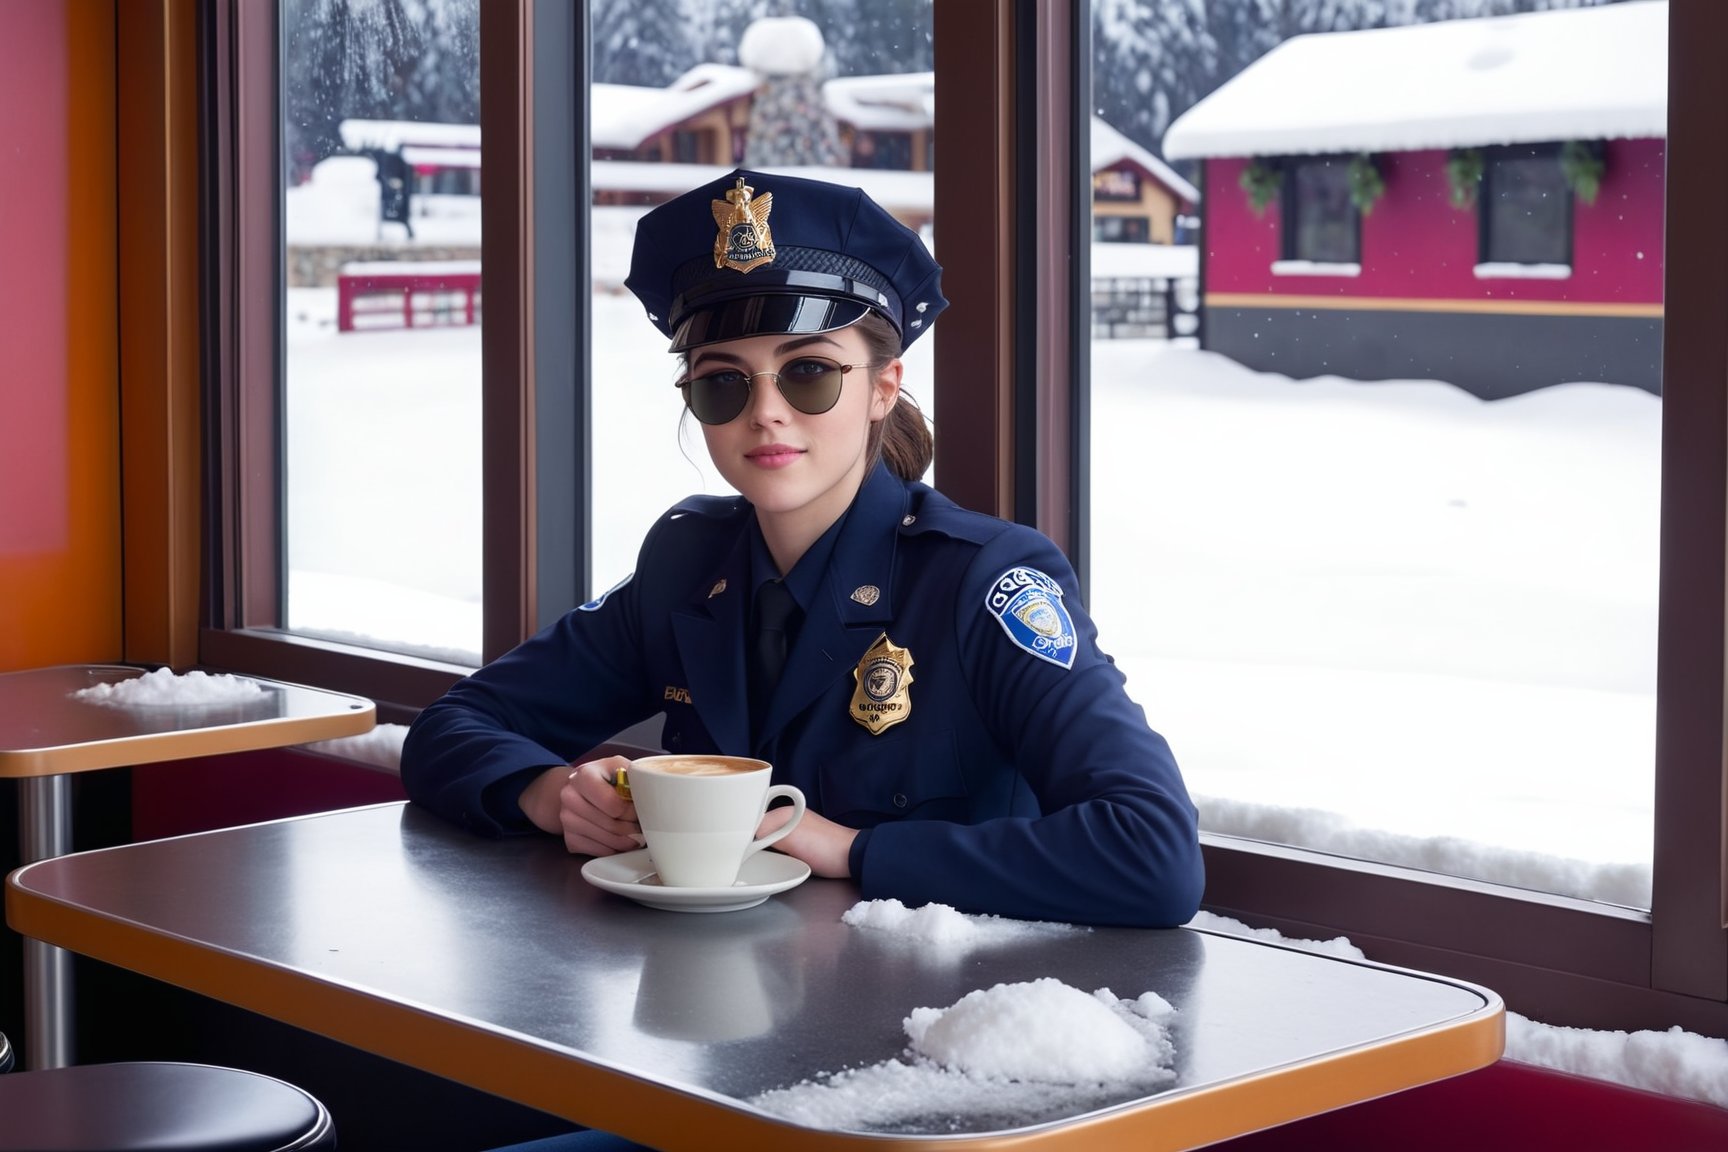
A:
1373,616
1387,619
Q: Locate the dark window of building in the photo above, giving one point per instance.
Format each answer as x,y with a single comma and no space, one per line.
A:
1526,206
882,150
1119,184
1122,229
687,147
1320,222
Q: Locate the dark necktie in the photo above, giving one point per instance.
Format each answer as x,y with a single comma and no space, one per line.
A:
775,612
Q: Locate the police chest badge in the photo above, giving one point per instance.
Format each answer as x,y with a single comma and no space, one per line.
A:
743,241
883,696
1028,605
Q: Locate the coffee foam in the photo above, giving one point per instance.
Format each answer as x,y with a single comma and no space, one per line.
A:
699,766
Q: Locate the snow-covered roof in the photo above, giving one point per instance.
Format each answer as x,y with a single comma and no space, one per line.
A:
391,135
892,102
898,191
1120,260
441,157
1579,74
1111,147
624,115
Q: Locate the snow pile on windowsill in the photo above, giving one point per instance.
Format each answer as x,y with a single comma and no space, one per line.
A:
163,689
381,747
1673,1063
1626,883
1012,1051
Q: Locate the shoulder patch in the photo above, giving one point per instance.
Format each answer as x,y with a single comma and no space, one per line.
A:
601,599
1028,605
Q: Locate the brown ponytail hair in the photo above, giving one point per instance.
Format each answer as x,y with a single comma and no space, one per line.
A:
902,438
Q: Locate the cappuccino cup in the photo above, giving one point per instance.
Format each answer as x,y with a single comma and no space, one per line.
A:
699,814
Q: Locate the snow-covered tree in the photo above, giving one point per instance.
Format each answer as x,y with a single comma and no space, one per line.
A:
865,37
1150,61
643,42
789,122
376,59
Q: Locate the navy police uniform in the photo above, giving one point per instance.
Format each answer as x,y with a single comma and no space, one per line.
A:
945,692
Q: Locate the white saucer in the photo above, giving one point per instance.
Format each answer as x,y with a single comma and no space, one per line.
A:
632,874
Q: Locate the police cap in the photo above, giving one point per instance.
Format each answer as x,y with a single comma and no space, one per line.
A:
754,253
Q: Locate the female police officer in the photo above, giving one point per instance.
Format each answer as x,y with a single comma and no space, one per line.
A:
943,703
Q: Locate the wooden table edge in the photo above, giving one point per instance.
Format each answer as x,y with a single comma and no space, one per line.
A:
155,747
618,1101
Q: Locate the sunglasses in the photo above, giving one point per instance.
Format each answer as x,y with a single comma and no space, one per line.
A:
810,384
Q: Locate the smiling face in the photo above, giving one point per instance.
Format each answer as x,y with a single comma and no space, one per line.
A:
799,471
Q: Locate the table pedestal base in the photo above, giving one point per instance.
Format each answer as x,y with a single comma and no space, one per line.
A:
45,831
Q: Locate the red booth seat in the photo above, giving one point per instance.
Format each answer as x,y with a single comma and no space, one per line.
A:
1506,1107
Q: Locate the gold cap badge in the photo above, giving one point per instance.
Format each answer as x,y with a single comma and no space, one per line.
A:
882,697
743,241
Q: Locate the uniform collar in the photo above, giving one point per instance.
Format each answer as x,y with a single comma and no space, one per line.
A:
805,579
851,599
863,561
855,555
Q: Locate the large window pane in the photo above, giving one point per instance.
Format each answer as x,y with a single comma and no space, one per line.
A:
381,315
1377,547
834,91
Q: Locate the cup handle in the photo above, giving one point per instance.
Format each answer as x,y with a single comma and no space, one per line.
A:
774,793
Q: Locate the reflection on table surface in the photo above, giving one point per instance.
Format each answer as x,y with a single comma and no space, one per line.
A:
46,728
504,939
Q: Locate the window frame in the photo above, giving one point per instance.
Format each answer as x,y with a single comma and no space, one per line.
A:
1013,352
1486,199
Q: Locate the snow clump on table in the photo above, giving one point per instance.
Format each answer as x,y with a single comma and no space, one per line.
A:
163,688
999,1056
944,929
1044,1030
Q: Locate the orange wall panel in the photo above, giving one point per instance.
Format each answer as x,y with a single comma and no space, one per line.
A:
60,579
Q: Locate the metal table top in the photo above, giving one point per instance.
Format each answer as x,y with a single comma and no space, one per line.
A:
496,964
45,730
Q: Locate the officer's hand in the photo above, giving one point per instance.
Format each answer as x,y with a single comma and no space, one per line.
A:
581,805
818,841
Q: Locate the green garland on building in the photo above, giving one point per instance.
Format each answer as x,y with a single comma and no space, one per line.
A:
1366,183
1582,164
1261,180
1464,167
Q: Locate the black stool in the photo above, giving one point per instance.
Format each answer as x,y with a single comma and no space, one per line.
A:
156,1105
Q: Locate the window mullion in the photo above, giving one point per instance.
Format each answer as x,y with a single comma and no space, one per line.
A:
1690,895
507,334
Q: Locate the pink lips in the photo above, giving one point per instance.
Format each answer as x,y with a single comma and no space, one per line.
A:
772,455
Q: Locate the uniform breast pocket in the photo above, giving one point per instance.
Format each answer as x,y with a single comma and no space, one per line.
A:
896,777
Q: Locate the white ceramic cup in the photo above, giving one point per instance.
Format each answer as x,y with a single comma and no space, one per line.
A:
699,815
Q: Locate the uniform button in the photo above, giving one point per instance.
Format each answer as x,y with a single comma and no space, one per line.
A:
899,799
908,521
677,740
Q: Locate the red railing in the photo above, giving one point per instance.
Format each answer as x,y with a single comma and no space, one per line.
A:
428,294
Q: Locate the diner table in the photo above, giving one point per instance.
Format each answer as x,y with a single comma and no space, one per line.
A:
50,728
495,963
